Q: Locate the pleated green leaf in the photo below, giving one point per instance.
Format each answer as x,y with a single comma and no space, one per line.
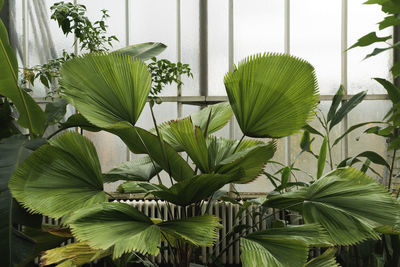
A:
31,116
75,254
216,116
272,95
327,259
141,169
116,224
106,88
249,162
199,230
194,189
343,201
192,140
279,247
60,177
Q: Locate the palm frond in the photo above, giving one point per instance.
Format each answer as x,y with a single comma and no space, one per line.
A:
115,224
106,88
198,230
75,254
59,177
279,247
343,201
272,95
327,259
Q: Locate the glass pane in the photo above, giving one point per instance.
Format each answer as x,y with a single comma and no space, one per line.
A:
190,45
370,110
155,21
315,36
258,27
116,22
362,20
217,46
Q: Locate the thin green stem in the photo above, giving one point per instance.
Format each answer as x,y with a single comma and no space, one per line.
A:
325,126
161,143
392,168
240,141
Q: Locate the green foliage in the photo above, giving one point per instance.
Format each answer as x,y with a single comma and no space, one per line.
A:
91,36
164,72
260,93
327,259
143,51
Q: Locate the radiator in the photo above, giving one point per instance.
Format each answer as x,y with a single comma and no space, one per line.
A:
226,211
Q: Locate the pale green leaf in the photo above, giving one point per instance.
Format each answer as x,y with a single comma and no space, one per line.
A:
141,169
75,254
143,51
322,158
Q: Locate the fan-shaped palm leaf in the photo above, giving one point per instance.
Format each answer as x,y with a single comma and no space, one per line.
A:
280,247
60,177
127,229
344,201
115,224
198,230
106,88
75,254
327,259
141,169
272,95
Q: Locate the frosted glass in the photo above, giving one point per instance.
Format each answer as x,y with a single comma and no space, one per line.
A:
316,37
155,21
258,27
190,45
362,20
217,46
371,110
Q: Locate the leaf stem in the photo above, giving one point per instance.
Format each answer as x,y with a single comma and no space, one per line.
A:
391,168
240,141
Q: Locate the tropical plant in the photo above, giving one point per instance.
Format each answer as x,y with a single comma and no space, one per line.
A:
63,178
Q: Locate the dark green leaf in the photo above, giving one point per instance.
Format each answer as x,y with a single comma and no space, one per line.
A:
55,111
369,39
346,108
392,90
312,130
337,99
77,120
352,128
31,115
327,259
395,69
389,21
322,158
